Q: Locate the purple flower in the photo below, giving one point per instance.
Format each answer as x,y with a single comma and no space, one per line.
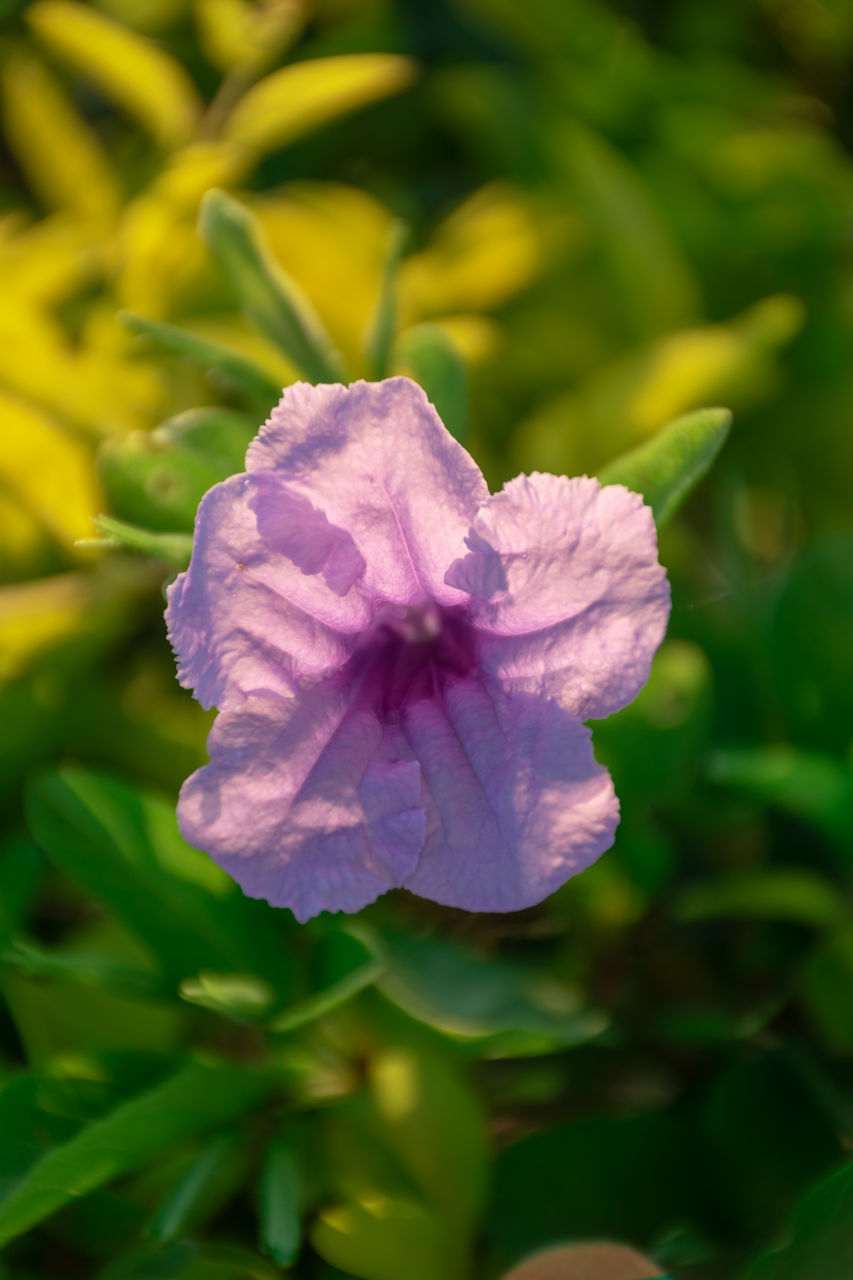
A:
402,663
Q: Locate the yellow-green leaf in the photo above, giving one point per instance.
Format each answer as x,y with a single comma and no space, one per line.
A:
667,467
235,33
50,473
269,297
298,98
55,148
143,79
377,1237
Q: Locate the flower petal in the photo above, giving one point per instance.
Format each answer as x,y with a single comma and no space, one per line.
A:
306,802
567,591
376,459
255,614
516,802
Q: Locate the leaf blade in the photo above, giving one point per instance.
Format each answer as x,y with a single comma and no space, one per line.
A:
666,468
269,298
195,1099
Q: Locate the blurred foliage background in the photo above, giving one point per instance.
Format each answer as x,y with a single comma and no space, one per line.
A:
615,211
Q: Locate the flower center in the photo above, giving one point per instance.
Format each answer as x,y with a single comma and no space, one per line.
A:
411,655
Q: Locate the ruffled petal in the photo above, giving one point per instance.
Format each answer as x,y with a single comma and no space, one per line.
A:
270,597
376,459
515,801
308,802
567,591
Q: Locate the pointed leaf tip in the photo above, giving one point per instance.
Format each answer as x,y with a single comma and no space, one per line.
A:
666,468
270,299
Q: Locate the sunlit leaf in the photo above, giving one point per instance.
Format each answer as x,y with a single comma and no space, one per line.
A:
666,468
332,239
174,548
379,1237
239,996
236,33
62,158
48,470
436,1127
34,616
136,74
269,298
230,367
482,254
299,98
625,400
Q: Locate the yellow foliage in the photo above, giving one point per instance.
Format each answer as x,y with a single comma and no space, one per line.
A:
158,251
478,257
35,615
139,77
298,98
231,332
45,262
47,471
474,337
331,239
54,147
629,398
236,34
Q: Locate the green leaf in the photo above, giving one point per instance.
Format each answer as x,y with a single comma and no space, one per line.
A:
235,371
759,1166
811,786
122,846
279,1207
775,893
216,436
331,998
174,548
667,467
434,1124
269,298
197,1192
197,1098
650,274
383,328
608,1177
239,996
427,355
20,869
157,479
827,991
821,1244
504,1010
93,970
